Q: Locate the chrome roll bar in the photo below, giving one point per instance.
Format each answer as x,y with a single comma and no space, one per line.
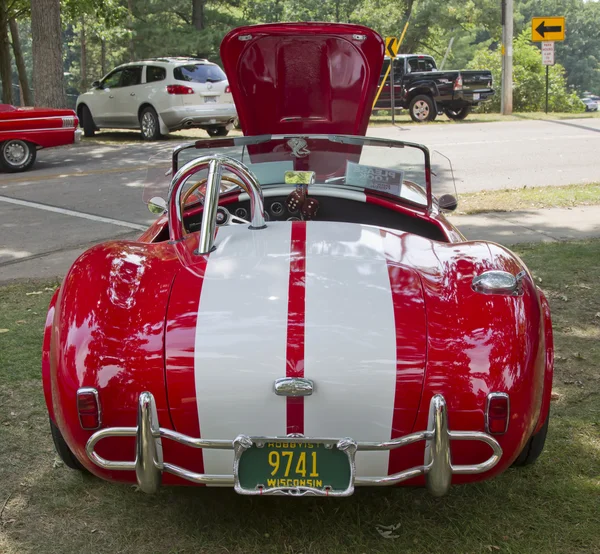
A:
216,164
149,464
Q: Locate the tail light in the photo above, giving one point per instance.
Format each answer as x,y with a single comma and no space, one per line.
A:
88,408
458,84
497,413
69,121
227,89
179,89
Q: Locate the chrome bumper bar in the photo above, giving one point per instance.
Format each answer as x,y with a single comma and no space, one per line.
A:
149,463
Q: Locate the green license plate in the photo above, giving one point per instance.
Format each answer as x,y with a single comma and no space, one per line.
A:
298,466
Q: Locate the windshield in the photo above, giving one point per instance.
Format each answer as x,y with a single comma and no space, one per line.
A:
389,167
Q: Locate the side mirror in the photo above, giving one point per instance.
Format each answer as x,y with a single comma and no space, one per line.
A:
447,202
96,84
157,205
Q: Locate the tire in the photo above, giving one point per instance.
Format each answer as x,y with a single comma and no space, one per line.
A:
17,155
63,450
149,124
458,115
217,131
87,122
533,447
422,108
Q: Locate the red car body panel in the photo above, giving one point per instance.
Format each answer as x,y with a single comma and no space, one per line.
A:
44,127
125,318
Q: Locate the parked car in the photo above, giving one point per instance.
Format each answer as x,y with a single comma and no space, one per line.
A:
23,131
319,325
591,105
158,96
425,91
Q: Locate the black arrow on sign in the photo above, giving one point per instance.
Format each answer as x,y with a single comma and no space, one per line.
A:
389,48
541,29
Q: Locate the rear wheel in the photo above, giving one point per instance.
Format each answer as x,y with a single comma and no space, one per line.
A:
63,449
422,108
458,115
17,155
217,131
533,447
87,122
149,124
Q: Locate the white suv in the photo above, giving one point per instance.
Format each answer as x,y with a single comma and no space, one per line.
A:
158,96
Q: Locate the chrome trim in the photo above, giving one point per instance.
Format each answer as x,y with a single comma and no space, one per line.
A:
216,164
86,390
68,121
78,135
293,386
491,396
437,464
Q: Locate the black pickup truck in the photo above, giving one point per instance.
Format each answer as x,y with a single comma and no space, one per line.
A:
425,91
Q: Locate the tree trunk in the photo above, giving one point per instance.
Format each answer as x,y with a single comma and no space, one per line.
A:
84,76
5,68
103,56
130,25
18,52
198,14
47,54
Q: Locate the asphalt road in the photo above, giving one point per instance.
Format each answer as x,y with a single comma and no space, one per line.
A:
80,195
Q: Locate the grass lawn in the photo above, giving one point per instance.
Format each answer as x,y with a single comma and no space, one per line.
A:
509,200
551,507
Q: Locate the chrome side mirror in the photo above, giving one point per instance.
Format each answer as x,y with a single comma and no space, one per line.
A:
157,205
447,202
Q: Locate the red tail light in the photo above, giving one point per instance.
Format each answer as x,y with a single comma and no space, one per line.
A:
179,89
88,408
458,84
497,413
227,89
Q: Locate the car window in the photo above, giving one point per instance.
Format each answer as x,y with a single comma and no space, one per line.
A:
398,69
199,73
112,80
131,76
421,64
155,73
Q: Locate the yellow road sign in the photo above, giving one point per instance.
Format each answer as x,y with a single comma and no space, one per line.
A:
547,29
391,46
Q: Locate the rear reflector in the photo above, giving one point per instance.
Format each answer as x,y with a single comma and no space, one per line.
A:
179,89
88,408
458,84
497,413
227,89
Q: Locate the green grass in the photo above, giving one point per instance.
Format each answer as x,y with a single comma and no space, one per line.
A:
551,507
526,198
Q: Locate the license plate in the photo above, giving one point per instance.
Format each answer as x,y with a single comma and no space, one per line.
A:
208,99
295,467
475,96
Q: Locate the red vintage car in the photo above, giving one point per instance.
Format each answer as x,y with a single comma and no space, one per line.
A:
23,131
301,319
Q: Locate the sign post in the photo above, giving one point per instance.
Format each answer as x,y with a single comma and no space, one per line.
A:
391,49
547,30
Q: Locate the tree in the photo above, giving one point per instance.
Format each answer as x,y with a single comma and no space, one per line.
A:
20,62
47,53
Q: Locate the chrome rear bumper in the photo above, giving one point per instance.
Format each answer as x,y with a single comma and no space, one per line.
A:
149,463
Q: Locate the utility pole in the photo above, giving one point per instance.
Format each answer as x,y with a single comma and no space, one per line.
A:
507,55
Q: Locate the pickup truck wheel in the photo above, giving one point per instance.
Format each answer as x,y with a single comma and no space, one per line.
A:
17,155
458,115
422,108
149,124
87,122
217,131
533,447
63,449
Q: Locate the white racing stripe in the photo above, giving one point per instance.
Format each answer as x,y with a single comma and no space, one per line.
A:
72,213
350,341
240,346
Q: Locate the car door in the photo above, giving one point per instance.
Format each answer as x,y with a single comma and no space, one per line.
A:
104,106
128,96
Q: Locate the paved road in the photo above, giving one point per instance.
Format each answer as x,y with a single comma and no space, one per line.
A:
91,192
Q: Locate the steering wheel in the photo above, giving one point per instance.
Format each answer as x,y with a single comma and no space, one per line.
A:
216,164
202,182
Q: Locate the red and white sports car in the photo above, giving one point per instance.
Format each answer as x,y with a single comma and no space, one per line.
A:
302,318
23,131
